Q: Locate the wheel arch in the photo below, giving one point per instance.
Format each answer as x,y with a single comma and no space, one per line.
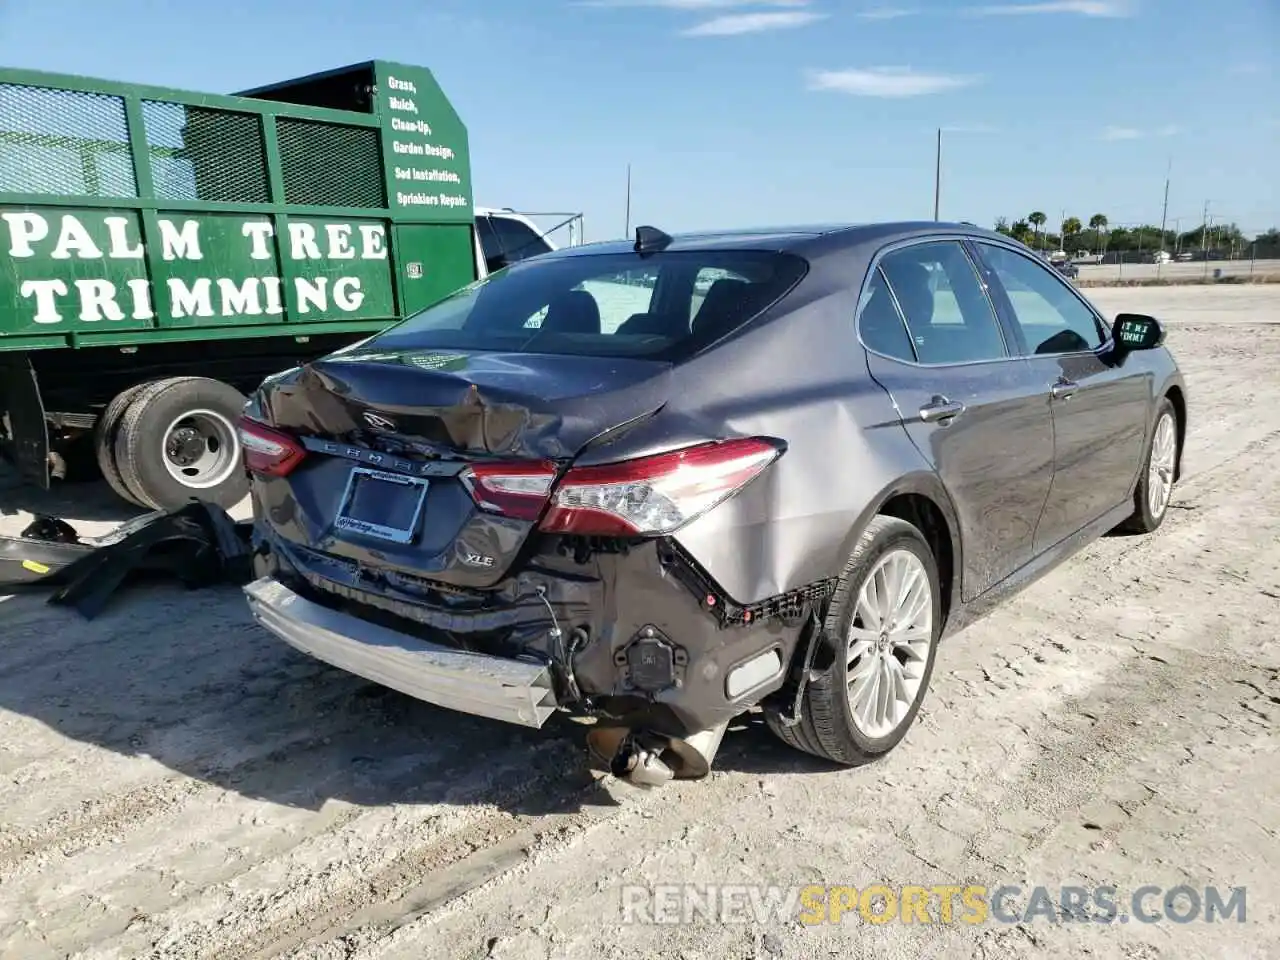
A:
921,500
1178,398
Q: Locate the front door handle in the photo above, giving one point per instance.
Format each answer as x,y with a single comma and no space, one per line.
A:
1063,389
941,410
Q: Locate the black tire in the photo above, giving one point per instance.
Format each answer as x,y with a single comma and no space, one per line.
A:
140,442
105,432
1144,519
826,728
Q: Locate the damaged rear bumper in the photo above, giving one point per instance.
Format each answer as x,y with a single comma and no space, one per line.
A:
515,691
632,635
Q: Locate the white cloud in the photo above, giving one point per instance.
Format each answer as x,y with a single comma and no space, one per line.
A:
734,24
887,13
885,82
1134,133
694,5
1084,8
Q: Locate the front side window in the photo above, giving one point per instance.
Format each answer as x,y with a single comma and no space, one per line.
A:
516,240
663,305
490,246
1052,318
948,313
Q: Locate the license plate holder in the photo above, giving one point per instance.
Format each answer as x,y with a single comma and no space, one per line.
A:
394,517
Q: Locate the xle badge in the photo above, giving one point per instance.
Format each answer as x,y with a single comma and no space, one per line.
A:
476,559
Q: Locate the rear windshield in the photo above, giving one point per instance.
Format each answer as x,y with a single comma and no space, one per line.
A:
660,306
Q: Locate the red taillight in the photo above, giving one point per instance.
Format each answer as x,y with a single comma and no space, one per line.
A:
268,451
513,489
655,495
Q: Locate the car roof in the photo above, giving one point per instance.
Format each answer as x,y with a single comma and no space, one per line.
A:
807,238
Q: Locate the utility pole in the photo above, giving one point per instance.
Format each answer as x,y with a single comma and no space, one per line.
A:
626,230
1164,213
1204,238
937,175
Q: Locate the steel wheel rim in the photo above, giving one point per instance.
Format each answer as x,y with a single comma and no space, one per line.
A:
200,449
889,643
1164,447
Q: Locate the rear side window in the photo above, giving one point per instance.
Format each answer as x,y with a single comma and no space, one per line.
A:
662,305
948,314
880,323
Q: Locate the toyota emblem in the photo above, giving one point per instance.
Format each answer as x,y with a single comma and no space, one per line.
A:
379,422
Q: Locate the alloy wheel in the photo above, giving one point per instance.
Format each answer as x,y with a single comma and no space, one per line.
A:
1164,446
889,643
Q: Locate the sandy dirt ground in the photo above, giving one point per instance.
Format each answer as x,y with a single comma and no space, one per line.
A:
176,783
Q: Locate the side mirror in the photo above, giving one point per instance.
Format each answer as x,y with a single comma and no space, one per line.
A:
1137,331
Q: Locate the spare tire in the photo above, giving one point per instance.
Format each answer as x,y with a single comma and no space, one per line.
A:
177,441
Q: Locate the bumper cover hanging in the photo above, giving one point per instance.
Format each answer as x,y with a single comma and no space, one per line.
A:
199,544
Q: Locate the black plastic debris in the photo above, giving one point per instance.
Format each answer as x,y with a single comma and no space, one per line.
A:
198,544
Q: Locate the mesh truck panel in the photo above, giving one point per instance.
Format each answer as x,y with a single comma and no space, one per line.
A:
201,154
329,164
64,143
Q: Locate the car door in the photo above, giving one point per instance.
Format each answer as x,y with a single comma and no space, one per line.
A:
1100,406
975,412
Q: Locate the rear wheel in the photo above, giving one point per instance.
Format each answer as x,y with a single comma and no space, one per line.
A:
105,432
884,623
177,441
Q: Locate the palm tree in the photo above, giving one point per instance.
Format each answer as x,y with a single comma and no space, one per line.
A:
1098,223
1037,220
1070,227
1020,231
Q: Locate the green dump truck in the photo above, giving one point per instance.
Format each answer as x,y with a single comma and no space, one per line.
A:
163,251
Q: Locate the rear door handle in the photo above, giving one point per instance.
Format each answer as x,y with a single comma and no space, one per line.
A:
1063,389
940,409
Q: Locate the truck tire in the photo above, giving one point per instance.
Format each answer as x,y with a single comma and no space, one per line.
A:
105,432
177,441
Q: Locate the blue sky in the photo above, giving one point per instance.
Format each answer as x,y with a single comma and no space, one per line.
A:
736,113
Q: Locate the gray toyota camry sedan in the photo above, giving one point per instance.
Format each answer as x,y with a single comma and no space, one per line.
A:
662,482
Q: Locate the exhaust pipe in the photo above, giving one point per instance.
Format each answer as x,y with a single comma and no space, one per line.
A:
650,759
638,764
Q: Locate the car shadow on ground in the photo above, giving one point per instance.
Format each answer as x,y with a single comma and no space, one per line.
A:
91,501
189,680
750,747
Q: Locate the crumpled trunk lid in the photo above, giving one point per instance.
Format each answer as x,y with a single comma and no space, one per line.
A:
390,437
522,406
